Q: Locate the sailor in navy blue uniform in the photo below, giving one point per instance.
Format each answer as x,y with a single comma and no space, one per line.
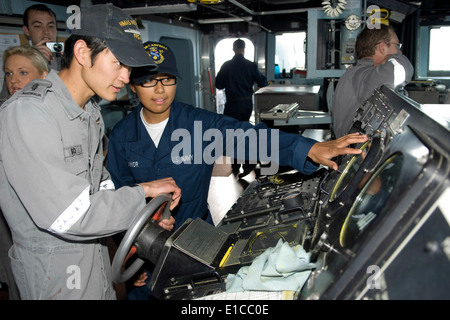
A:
237,76
133,156
162,138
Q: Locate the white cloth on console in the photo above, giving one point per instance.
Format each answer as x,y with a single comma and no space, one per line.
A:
278,268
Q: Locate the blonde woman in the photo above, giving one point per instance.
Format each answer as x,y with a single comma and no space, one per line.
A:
21,64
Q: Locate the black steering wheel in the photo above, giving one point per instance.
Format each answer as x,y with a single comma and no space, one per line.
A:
157,209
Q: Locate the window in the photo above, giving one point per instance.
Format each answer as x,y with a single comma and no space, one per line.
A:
432,57
438,55
224,51
289,51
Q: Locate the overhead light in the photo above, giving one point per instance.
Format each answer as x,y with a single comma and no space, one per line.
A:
183,7
397,16
224,20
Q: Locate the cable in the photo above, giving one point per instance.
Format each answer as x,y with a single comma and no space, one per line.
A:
333,8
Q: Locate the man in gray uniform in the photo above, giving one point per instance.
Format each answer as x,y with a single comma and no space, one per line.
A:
380,62
55,193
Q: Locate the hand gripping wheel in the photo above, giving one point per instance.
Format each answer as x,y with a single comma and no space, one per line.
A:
130,243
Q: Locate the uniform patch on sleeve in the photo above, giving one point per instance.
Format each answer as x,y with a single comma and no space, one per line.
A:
36,88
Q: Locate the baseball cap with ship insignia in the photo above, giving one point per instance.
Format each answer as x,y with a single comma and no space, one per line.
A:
119,30
164,58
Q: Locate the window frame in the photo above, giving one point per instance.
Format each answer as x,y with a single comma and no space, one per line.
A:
423,57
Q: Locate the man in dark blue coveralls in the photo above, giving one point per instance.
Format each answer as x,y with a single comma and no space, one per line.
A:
142,145
237,77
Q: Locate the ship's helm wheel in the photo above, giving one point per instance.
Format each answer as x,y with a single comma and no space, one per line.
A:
156,210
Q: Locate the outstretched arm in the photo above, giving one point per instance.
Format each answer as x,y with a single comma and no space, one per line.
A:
323,152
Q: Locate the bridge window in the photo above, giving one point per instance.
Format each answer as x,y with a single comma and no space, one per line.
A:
289,51
432,61
439,60
224,51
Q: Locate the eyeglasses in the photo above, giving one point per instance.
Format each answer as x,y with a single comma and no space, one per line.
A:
169,81
399,45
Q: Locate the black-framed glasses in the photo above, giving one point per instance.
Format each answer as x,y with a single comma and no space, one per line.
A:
168,81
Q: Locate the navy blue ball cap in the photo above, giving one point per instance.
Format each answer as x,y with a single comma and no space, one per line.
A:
119,30
162,56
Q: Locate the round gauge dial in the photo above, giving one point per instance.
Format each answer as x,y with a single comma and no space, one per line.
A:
369,202
353,22
349,172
